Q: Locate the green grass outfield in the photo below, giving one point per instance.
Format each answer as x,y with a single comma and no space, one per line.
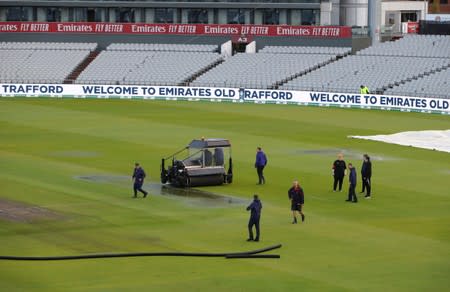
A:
398,241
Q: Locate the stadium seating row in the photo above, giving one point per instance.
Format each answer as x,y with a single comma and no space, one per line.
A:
47,46
338,51
162,47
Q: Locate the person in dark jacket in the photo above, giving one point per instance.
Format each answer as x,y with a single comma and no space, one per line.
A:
339,171
260,163
366,174
297,197
218,156
138,178
352,184
208,158
255,214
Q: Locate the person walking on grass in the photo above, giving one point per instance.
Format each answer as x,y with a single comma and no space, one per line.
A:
138,179
255,215
366,174
339,170
297,197
352,184
260,163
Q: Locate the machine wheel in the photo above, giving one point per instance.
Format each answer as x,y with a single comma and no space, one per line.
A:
183,181
164,176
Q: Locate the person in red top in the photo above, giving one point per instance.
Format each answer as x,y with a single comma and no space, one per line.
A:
297,198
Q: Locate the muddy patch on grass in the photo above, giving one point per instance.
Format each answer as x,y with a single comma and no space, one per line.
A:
25,213
332,152
191,196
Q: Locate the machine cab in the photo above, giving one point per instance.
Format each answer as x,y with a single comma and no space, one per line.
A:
203,162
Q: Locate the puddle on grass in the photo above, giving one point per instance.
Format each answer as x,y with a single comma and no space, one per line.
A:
191,196
114,179
333,152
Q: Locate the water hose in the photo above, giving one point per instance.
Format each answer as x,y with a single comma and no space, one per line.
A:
229,255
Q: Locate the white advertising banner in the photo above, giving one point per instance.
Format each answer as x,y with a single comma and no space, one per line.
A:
386,102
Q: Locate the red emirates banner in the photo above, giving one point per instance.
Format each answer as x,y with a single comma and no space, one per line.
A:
413,27
177,29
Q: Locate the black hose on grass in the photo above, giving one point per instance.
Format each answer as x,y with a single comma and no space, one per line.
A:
256,256
233,255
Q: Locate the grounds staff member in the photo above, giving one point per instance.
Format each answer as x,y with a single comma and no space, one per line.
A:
255,214
138,177
364,89
297,197
260,163
352,184
339,168
366,174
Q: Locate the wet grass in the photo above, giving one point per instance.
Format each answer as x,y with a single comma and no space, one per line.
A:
75,157
191,196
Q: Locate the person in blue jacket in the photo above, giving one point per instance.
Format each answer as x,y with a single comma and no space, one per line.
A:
255,214
260,163
352,184
138,178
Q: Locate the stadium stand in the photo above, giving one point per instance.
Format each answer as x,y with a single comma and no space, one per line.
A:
415,65
150,64
269,68
382,67
435,85
432,46
40,62
377,72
